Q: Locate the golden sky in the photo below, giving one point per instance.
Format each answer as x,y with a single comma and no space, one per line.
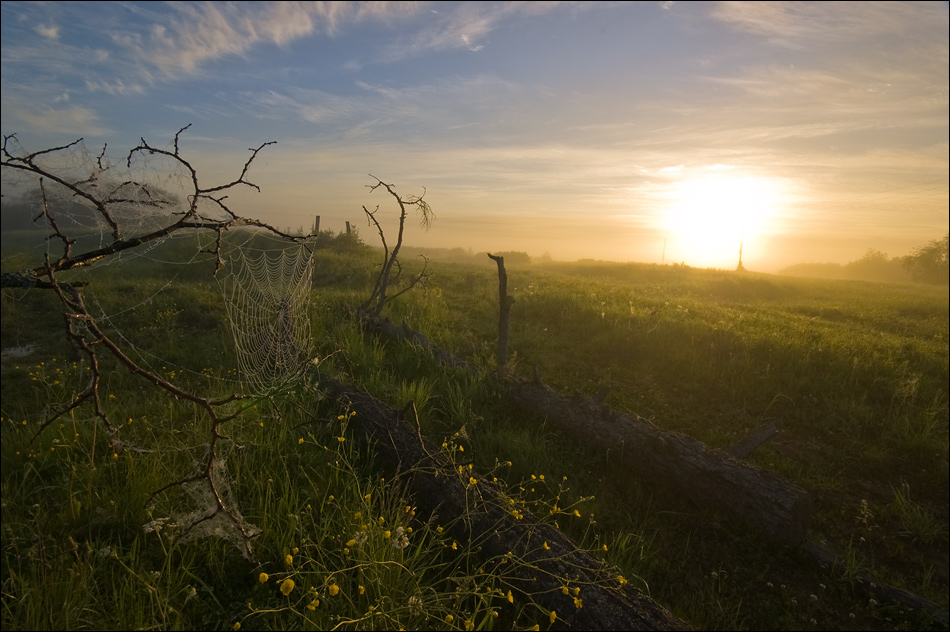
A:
662,131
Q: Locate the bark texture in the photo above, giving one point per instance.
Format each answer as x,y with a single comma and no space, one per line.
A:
771,505
481,512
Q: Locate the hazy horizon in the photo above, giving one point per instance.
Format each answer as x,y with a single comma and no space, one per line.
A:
809,132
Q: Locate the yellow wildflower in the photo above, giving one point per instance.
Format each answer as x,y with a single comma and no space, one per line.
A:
455,546
386,534
511,598
296,550
263,577
313,604
300,441
351,542
565,590
362,589
289,560
449,618
287,586
577,514
546,547
334,590
236,626
552,616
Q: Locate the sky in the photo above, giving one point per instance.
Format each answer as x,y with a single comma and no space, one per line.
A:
629,131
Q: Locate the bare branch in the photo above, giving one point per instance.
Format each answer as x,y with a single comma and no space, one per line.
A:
373,306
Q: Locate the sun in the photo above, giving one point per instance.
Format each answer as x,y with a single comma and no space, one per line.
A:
708,219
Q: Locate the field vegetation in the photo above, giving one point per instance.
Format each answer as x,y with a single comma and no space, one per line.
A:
854,375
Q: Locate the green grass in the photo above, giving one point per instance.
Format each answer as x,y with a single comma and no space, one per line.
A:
854,374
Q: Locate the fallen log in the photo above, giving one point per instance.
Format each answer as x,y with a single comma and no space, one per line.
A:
481,512
771,505
828,561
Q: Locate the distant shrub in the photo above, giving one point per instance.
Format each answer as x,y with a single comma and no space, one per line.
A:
513,258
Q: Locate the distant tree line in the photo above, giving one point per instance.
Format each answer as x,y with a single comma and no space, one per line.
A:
926,264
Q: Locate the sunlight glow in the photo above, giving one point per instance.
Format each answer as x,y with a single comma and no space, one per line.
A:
708,218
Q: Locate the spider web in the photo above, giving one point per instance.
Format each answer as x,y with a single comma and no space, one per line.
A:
268,299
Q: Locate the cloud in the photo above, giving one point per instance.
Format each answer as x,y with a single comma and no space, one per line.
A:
464,26
798,24
49,32
116,88
194,34
73,121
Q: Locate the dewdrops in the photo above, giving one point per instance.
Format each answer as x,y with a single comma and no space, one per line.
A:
287,587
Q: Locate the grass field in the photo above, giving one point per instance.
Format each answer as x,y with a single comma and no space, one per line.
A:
855,376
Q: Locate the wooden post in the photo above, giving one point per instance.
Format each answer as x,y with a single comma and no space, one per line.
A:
316,225
348,228
504,302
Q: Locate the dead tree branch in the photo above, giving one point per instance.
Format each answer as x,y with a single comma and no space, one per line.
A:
373,306
106,198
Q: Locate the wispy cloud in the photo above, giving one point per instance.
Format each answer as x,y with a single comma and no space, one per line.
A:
73,121
464,26
49,32
796,24
195,34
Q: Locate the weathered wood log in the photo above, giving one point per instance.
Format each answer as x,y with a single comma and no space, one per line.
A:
885,592
771,505
481,512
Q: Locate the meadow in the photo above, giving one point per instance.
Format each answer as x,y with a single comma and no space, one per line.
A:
853,374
